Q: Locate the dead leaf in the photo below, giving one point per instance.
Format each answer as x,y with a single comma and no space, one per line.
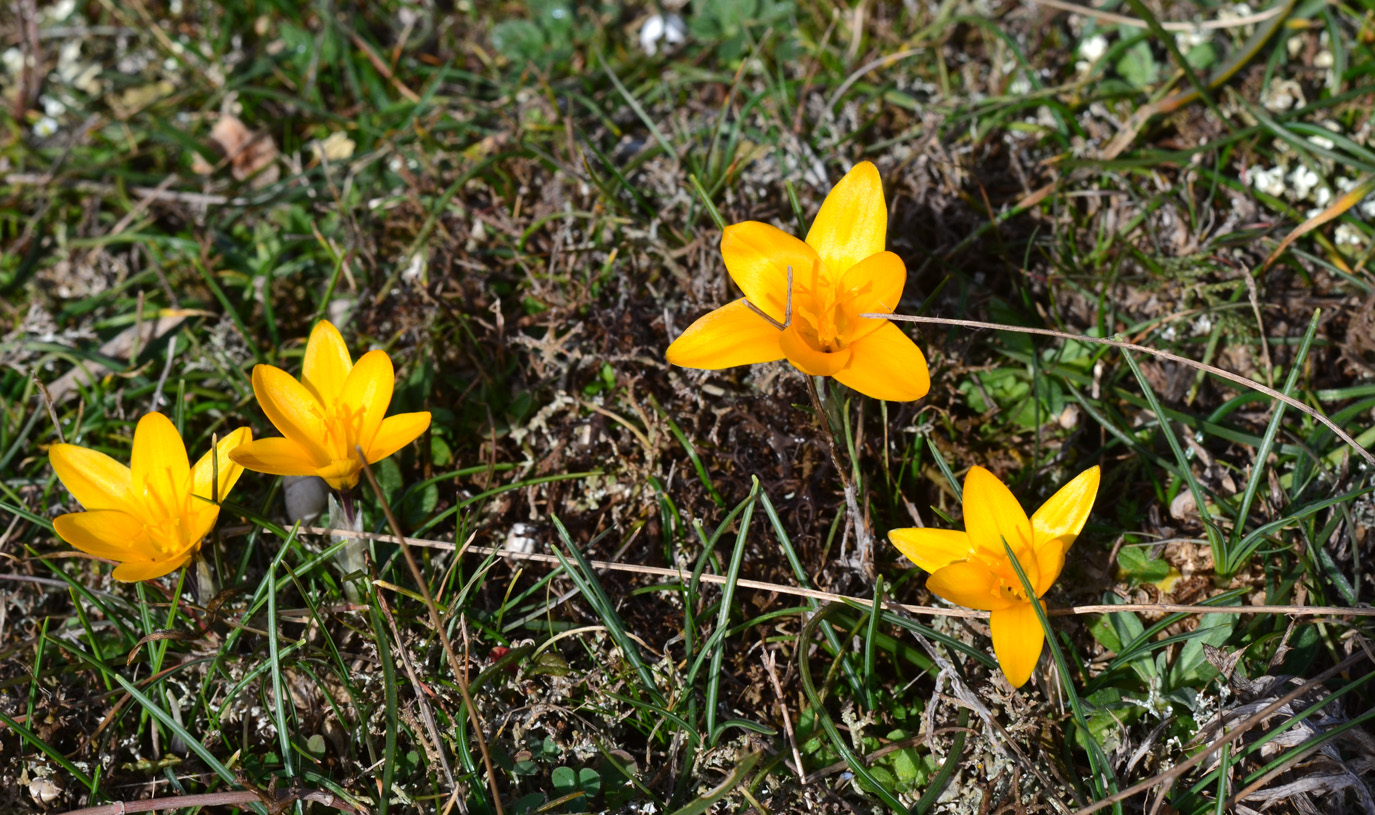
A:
251,155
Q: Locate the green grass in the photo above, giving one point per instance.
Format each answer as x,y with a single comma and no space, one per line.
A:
529,213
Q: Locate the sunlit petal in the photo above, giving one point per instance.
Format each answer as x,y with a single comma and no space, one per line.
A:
205,490
341,474
274,456
366,393
853,221
729,336
1017,641
327,362
203,473
134,570
971,584
992,515
873,286
292,409
809,360
106,533
93,478
1059,521
931,549
886,364
397,432
758,256
159,467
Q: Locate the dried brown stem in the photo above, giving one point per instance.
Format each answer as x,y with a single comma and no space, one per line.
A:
460,676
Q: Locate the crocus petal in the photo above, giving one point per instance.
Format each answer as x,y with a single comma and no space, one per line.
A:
367,393
729,336
809,360
873,286
969,583
758,256
1017,641
203,486
135,570
327,363
886,364
275,456
931,549
106,533
992,515
93,478
341,474
159,467
853,221
1058,522
292,409
396,432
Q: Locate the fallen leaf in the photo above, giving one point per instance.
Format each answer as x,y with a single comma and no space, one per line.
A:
251,155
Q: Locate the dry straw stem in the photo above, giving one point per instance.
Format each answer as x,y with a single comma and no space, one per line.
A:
825,596
460,673
1184,766
220,799
1122,19
1131,346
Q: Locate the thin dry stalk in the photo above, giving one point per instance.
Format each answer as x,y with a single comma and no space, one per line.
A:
1131,346
825,596
460,675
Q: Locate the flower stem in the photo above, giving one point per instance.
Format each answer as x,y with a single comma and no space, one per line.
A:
343,514
864,539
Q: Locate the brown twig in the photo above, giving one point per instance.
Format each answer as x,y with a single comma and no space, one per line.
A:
460,676
1227,738
1131,346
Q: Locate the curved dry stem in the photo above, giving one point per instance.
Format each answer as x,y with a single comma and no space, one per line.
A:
1131,346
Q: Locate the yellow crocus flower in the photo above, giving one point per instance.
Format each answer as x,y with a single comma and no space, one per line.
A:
803,299
152,515
971,568
337,407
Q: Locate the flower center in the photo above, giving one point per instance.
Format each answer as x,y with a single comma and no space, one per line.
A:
343,426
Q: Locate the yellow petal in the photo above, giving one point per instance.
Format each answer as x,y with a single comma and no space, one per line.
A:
853,221
992,515
874,285
203,486
159,467
886,364
931,549
1017,641
275,456
292,409
341,474
729,336
367,392
809,360
969,583
135,570
327,363
758,256
1059,521
106,533
397,432
93,478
